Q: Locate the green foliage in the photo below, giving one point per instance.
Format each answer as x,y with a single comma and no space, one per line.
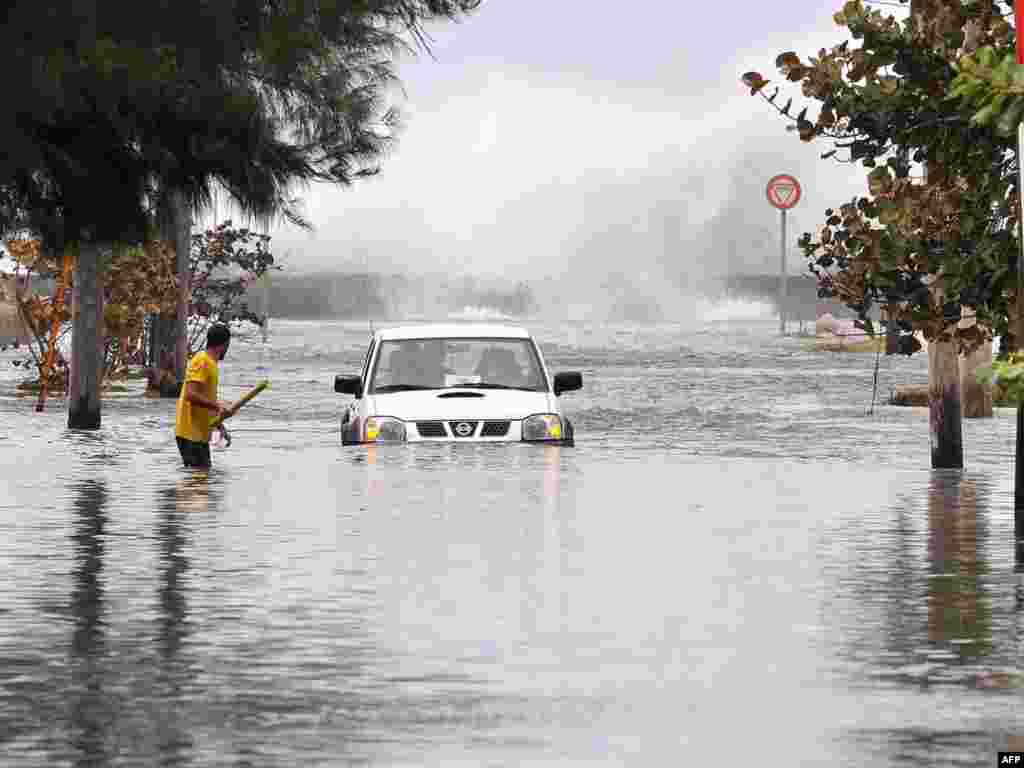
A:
1007,375
936,92
224,262
991,82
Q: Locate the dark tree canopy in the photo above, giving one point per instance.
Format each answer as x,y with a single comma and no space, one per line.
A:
110,102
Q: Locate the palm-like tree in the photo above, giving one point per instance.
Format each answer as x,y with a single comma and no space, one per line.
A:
117,106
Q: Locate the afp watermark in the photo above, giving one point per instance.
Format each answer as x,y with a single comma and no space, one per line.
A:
1011,758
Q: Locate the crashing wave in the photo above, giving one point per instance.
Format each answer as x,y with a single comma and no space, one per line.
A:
731,310
479,314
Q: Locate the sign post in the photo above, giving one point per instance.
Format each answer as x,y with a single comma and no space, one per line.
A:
1018,12
784,192
1018,326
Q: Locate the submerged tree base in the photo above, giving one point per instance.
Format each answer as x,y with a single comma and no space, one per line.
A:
35,386
162,384
60,390
828,342
916,395
910,394
81,416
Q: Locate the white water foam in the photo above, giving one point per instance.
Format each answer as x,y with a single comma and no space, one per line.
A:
480,314
733,310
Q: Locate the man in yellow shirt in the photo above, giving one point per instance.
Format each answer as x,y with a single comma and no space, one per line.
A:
197,404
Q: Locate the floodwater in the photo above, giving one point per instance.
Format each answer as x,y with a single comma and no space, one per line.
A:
736,561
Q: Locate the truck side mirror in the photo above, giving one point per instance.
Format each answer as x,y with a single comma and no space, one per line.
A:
567,381
348,385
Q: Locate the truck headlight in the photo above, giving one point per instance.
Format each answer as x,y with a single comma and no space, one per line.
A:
543,426
384,429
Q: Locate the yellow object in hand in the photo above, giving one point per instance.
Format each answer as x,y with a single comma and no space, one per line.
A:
265,384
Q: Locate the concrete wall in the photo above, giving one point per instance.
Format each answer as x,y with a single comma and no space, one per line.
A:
385,295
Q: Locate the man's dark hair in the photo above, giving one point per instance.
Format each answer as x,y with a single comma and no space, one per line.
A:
217,335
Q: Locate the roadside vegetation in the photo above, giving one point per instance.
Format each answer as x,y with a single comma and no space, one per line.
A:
927,103
126,120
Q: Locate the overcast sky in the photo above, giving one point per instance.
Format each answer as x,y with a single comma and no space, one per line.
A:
577,137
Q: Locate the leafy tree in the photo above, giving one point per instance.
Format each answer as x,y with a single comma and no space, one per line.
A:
225,261
140,280
116,105
935,251
922,248
43,317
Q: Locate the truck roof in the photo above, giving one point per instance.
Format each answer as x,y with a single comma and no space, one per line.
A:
453,331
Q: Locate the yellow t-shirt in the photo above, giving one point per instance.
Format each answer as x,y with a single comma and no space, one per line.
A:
193,421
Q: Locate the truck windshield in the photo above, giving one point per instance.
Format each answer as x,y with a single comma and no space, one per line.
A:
410,364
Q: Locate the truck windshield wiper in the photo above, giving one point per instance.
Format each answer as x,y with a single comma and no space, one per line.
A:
400,388
482,385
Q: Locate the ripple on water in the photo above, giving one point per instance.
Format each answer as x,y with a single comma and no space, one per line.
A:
734,546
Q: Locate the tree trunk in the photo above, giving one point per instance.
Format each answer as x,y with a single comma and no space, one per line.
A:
944,405
1016,324
86,341
265,311
1009,342
161,340
168,342
891,334
181,223
977,397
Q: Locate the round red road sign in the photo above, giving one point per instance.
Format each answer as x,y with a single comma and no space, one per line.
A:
783,191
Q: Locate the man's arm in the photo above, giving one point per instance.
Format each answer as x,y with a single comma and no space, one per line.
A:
192,395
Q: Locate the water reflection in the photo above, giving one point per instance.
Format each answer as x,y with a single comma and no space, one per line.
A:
176,672
926,570
552,476
442,605
115,675
173,564
959,611
90,712
556,524
374,484
923,746
941,633
1018,569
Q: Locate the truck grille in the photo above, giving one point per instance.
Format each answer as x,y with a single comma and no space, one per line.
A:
437,428
431,429
459,428
495,429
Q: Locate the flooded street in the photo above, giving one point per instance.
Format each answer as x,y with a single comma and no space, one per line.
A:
735,561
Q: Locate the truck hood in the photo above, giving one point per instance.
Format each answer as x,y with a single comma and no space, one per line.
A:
434,405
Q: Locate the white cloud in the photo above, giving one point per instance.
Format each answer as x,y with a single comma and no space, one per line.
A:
488,138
